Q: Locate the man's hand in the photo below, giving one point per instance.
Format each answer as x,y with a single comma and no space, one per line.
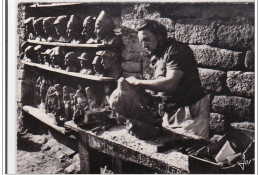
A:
132,80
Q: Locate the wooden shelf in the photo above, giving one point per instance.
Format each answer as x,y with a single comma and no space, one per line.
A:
43,117
73,74
71,44
53,4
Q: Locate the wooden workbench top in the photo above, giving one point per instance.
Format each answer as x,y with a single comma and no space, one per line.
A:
117,142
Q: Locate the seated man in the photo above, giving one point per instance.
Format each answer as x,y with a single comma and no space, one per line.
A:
177,79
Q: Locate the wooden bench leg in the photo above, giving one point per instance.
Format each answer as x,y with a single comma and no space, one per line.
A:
84,154
117,166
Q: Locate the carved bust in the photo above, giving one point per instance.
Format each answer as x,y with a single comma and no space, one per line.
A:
88,28
30,54
110,62
71,62
39,49
46,57
60,26
97,66
38,29
57,55
74,29
104,30
49,29
86,59
28,24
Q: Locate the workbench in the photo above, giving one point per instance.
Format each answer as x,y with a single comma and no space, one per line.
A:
120,145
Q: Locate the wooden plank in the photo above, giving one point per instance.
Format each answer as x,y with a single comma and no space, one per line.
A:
71,44
53,4
43,117
118,143
72,74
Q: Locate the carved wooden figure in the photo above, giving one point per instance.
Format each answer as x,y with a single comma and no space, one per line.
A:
86,59
38,29
61,26
88,29
28,24
74,29
97,66
71,62
49,29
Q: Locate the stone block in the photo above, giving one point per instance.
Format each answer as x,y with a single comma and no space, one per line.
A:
250,60
241,83
233,105
217,123
215,57
131,66
212,80
24,92
131,43
128,74
195,31
130,56
236,36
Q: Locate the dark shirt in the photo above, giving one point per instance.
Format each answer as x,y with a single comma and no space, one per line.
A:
175,55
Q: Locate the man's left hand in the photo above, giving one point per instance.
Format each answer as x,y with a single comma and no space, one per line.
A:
132,80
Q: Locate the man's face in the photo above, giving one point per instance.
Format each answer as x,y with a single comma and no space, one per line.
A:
67,60
71,30
87,28
83,63
148,40
47,28
100,30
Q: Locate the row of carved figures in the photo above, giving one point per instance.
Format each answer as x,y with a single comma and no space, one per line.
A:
73,29
66,103
101,63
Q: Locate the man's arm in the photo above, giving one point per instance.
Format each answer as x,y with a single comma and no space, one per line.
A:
165,84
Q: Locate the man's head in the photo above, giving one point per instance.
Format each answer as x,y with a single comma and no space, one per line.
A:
88,27
86,59
104,25
74,26
70,59
61,25
37,25
151,34
48,25
108,58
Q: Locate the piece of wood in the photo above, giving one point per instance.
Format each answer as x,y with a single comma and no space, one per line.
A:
72,74
84,154
118,143
72,44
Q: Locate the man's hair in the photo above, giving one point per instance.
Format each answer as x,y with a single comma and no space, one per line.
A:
153,26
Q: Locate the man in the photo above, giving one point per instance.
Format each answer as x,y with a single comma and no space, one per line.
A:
176,77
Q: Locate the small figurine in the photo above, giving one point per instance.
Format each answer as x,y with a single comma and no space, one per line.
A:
46,57
49,29
61,26
91,98
97,66
104,30
38,28
56,57
71,62
107,93
30,55
74,30
79,112
67,102
86,59
110,62
43,91
88,29
37,90
28,24
39,49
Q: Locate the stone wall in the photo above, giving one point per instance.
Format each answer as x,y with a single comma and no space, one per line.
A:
222,39
221,36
